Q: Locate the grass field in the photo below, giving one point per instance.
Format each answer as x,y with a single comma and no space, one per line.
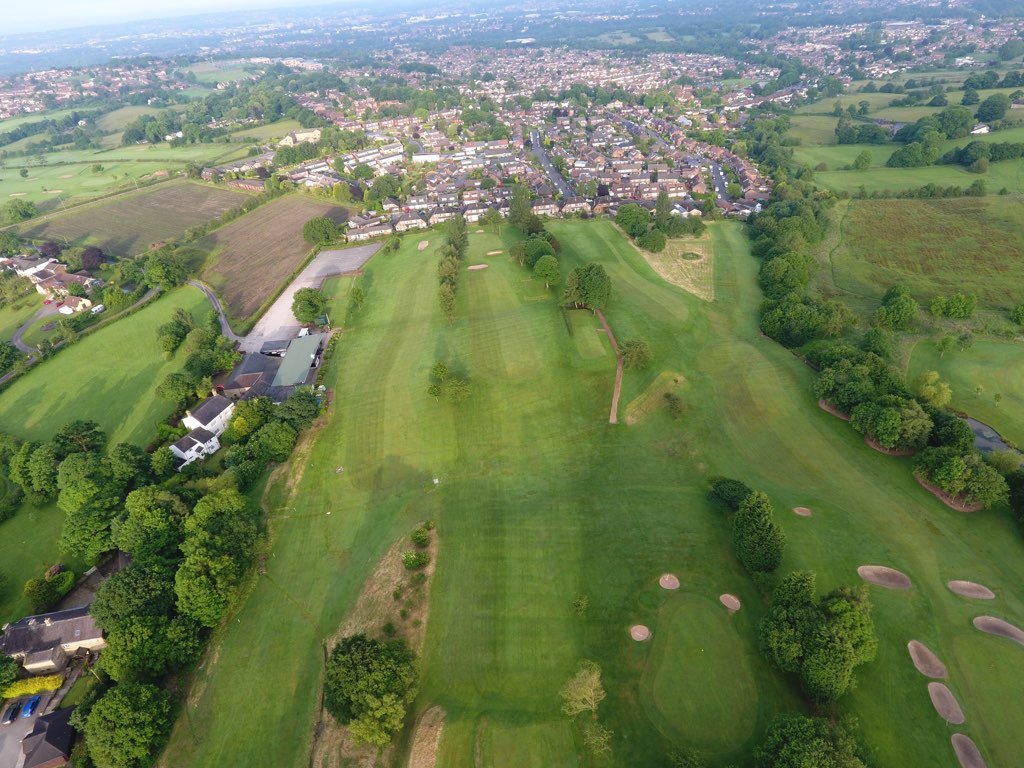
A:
931,246
541,501
994,365
69,176
253,255
276,130
213,72
108,377
132,223
13,316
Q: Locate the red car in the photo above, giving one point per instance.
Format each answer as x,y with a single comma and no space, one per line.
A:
60,304
47,301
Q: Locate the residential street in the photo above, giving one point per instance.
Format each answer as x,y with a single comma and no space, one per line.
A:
556,178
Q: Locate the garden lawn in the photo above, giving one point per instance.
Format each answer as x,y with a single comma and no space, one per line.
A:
107,377
540,501
994,366
14,314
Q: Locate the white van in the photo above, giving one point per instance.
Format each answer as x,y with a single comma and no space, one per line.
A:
97,309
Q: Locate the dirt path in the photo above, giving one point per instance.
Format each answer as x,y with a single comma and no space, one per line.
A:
614,417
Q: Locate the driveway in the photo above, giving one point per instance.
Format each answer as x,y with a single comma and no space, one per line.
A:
11,736
44,311
278,322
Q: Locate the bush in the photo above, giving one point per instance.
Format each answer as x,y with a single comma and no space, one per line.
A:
653,241
32,685
421,537
414,561
1017,314
46,592
729,492
636,354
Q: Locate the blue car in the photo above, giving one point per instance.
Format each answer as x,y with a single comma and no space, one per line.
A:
30,706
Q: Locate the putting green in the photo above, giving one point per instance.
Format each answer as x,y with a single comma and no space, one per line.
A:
698,686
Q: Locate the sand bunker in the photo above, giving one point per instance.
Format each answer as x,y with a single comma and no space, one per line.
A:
494,253
18,194
995,626
66,176
669,581
971,589
730,601
423,245
925,660
889,578
53,191
802,511
476,267
639,633
945,703
967,751
479,232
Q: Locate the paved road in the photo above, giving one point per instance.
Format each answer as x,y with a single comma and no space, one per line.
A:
44,311
556,178
278,322
718,180
225,329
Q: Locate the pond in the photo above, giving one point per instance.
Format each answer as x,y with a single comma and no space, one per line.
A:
986,439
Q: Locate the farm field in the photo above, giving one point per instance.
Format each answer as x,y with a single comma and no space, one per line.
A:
541,501
931,246
251,257
70,176
108,377
132,223
994,365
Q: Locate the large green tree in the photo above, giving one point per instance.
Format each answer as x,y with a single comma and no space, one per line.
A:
309,305
758,539
633,219
128,725
320,230
795,741
547,270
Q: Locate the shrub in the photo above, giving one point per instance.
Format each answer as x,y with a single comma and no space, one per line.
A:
414,561
674,403
421,537
729,492
1017,314
47,592
653,241
757,537
32,685
636,354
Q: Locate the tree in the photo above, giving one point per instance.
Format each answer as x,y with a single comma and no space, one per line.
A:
795,741
492,218
547,269
520,207
583,692
8,670
176,387
128,725
758,539
309,305
633,219
148,647
863,161
970,97
898,310
636,354
994,108
368,685
653,241
933,391
536,248
136,590
439,371
152,528
662,212
299,410
456,390
597,286
79,437
164,269
729,492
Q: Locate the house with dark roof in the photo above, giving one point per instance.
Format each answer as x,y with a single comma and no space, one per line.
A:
48,744
278,369
196,445
44,643
212,414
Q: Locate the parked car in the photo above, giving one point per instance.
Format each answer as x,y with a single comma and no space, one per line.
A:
31,705
60,303
47,301
12,713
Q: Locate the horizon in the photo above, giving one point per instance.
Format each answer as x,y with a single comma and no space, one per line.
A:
22,20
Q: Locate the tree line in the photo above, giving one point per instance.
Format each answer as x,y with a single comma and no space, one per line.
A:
653,232
449,268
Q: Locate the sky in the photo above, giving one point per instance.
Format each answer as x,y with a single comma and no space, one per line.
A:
20,17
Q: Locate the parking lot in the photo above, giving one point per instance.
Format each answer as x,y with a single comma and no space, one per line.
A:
11,735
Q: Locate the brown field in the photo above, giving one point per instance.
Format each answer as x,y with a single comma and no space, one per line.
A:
131,223
686,262
253,255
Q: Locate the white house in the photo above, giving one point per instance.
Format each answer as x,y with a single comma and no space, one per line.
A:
194,446
213,414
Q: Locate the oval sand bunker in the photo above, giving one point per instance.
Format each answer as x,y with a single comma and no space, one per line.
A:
995,626
967,751
925,660
423,245
639,633
971,589
945,703
731,602
475,267
669,581
889,578
802,511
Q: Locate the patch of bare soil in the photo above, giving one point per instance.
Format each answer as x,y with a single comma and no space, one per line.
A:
614,417
669,581
476,267
422,245
825,405
640,633
953,502
971,589
967,751
392,597
889,578
925,660
427,738
945,703
802,511
994,626
877,446
730,601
